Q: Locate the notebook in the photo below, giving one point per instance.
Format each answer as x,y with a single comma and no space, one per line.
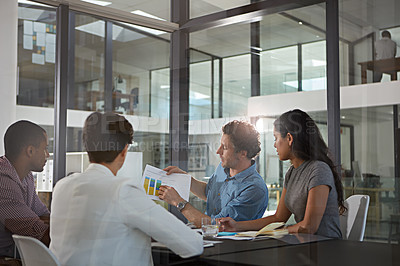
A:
270,229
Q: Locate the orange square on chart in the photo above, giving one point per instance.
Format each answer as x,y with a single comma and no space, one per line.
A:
39,52
43,48
34,37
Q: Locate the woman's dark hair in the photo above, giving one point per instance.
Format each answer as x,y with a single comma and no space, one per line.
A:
308,143
105,136
244,137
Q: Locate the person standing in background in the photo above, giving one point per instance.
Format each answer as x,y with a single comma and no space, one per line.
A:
385,48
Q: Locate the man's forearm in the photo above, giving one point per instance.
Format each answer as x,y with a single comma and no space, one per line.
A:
193,215
198,188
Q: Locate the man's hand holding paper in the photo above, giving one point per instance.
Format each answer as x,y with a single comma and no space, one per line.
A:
155,180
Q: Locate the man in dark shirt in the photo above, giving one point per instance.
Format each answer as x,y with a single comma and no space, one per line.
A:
21,211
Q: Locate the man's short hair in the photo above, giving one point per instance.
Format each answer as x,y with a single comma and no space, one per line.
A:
20,135
386,33
244,137
105,136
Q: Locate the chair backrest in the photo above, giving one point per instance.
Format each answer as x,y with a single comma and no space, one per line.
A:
33,252
353,221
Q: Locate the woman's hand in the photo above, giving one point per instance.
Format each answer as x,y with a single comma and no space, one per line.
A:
227,224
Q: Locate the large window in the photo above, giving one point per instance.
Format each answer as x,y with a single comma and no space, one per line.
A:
283,52
36,55
372,165
289,51
88,88
140,90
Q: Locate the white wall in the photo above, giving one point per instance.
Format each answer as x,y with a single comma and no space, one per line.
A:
8,65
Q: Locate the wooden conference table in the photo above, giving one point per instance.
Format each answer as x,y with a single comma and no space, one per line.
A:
389,66
325,252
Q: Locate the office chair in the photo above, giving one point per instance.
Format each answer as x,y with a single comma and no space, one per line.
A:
353,221
33,252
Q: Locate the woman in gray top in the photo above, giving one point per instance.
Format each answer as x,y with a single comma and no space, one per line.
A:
312,189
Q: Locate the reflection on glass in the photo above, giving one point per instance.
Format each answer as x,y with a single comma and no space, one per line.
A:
200,86
160,93
279,71
314,66
286,40
204,7
236,85
138,55
372,168
89,64
36,55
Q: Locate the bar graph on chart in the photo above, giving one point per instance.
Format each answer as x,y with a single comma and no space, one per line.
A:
153,178
151,186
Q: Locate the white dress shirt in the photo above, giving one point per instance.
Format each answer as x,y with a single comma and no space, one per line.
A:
101,219
385,48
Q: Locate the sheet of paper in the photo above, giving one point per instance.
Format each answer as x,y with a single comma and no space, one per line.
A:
50,39
41,39
154,177
50,57
50,51
248,233
38,59
236,237
39,27
28,27
271,226
210,243
28,42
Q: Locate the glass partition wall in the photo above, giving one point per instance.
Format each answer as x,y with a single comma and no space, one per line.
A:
286,48
280,56
136,87
372,169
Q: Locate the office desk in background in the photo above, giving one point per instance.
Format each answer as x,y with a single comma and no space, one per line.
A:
388,66
275,252
95,96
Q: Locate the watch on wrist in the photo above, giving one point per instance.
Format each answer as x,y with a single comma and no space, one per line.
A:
181,205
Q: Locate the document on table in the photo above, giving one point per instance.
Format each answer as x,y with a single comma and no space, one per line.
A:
154,177
270,230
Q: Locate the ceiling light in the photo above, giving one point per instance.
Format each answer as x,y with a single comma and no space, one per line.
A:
256,48
301,23
164,87
316,63
98,2
30,3
145,14
198,95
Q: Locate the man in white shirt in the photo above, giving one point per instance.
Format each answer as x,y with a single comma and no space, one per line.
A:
384,48
100,219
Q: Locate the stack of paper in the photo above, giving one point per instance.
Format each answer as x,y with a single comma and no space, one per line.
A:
270,230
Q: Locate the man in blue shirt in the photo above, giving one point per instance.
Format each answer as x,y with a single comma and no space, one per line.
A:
235,189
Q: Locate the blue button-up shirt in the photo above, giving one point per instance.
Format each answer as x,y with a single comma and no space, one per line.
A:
242,197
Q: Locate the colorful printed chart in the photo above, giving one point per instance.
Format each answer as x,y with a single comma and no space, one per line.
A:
149,186
154,177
